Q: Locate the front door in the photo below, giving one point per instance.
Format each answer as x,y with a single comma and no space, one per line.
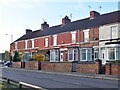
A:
61,56
103,55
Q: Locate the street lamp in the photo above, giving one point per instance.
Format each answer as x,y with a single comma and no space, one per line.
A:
11,36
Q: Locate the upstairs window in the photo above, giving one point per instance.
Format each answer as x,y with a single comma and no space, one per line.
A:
32,43
15,45
54,40
46,42
114,33
73,37
25,44
86,35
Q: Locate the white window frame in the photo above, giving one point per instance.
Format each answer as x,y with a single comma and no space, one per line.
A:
16,45
73,51
26,44
115,52
54,40
86,54
113,36
54,55
46,42
73,36
32,43
86,35
96,50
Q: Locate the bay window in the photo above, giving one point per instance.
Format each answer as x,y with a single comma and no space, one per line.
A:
53,55
73,54
86,54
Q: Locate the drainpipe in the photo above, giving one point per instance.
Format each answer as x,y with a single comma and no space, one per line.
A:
79,45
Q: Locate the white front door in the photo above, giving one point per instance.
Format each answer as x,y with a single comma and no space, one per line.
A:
61,56
103,55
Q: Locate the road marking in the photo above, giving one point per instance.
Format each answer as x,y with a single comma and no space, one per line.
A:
30,85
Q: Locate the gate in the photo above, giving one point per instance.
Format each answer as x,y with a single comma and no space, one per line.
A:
74,66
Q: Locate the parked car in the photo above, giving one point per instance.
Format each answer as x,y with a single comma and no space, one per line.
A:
7,63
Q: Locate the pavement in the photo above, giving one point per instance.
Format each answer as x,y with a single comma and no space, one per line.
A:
97,76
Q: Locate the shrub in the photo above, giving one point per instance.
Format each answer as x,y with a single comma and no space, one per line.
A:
39,57
16,57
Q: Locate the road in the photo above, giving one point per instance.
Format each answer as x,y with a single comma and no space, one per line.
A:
49,80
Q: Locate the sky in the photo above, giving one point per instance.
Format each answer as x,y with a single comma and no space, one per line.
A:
18,15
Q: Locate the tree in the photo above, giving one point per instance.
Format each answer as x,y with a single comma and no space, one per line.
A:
16,57
7,55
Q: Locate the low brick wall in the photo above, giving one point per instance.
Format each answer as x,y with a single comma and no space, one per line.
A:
91,68
115,69
56,66
35,65
112,69
16,64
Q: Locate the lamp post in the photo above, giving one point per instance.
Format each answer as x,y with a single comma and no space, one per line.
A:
11,37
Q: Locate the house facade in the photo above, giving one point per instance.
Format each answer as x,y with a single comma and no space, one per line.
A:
81,40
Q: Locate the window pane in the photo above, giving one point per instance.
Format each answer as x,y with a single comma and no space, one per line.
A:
88,55
55,40
70,56
114,32
117,53
73,37
86,36
111,53
83,52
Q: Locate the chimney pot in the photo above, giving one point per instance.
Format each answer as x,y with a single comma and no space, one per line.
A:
65,20
28,31
94,14
44,25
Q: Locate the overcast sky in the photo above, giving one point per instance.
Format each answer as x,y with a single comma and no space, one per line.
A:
18,15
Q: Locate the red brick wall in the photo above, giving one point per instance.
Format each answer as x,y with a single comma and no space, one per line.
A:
65,37
32,65
114,69
94,33
16,64
88,68
21,45
56,66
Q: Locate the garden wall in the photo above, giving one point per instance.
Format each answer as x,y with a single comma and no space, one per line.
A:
35,65
56,66
89,68
16,64
112,69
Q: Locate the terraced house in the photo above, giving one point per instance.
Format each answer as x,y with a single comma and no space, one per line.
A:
97,36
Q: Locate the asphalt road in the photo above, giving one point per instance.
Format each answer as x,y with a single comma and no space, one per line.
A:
49,80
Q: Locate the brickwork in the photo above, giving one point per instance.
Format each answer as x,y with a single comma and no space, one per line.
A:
93,68
113,69
56,66
16,64
21,45
32,65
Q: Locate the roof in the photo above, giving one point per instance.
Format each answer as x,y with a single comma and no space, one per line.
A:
75,25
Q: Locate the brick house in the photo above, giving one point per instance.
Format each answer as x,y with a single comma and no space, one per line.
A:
69,41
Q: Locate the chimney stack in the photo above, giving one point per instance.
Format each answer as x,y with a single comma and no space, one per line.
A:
28,31
44,25
65,20
94,14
